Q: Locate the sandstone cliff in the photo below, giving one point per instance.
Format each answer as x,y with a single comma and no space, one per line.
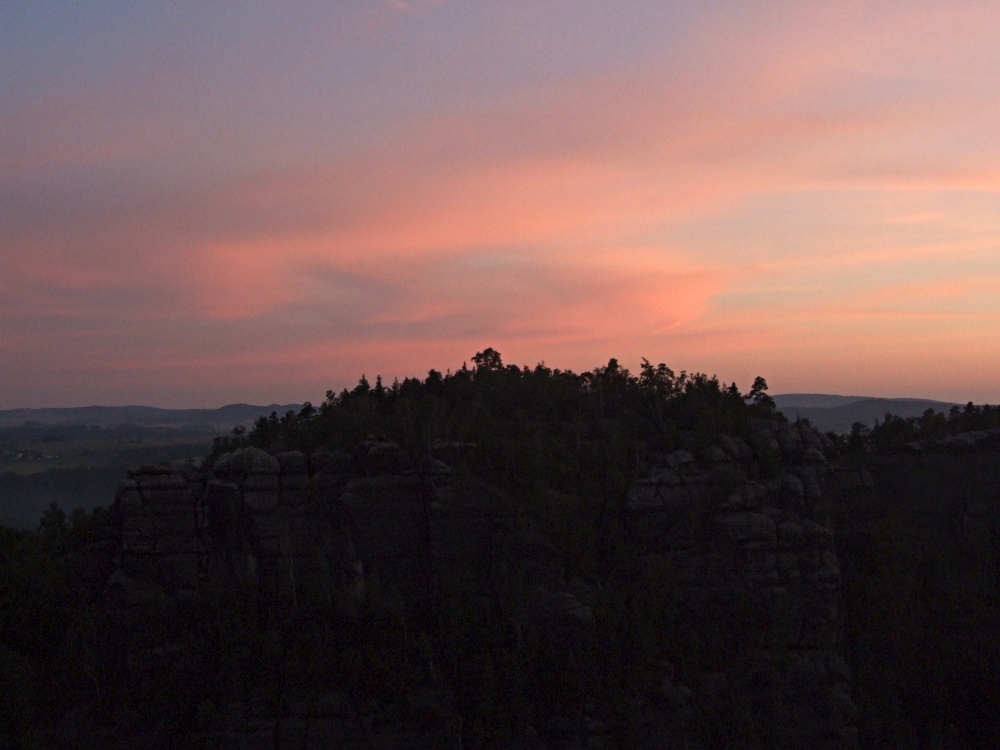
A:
753,576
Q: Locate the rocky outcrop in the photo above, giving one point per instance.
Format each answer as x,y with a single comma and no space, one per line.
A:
258,526
292,527
745,528
288,532
742,526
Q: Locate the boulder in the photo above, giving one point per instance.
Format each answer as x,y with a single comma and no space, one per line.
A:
164,490
296,489
750,530
850,480
293,463
331,462
679,458
746,452
754,494
382,457
789,440
792,487
717,455
730,446
644,496
814,456
811,438
676,695
221,466
667,477
245,462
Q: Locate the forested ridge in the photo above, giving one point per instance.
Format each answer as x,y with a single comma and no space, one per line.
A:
503,556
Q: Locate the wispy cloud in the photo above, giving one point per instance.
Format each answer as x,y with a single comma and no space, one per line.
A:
792,189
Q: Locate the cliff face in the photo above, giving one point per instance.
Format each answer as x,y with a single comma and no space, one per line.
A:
754,579
754,559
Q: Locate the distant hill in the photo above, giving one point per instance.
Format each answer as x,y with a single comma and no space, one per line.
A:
815,400
223,418
78,456
837,413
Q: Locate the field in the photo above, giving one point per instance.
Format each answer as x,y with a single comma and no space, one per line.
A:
80,466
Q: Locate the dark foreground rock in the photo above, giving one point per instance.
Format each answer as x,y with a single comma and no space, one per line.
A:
754,557
376,546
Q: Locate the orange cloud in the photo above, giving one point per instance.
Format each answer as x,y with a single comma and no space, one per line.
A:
793,191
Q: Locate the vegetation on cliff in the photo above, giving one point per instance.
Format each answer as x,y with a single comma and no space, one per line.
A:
664,572
587,434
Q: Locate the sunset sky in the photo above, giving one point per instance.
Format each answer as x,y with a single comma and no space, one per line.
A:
209,202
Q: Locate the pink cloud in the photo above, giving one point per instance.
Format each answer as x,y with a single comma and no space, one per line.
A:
552,221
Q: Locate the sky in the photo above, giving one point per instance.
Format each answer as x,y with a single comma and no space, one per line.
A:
210,202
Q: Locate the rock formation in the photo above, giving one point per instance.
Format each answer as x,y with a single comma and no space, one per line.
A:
280,533
756,555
